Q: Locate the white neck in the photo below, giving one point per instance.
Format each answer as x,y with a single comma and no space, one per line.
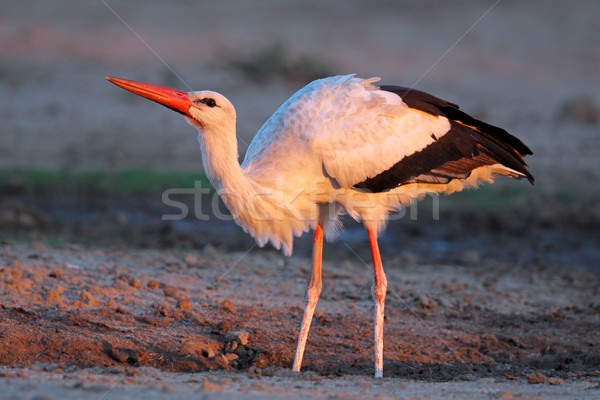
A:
220,160
257,209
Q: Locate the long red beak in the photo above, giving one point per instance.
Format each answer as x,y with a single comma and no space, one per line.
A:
176,100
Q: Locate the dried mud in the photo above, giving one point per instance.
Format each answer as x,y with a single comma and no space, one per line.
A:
204,310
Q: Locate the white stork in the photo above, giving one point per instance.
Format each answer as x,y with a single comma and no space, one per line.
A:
340,145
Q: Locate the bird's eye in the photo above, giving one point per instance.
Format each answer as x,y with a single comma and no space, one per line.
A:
209,102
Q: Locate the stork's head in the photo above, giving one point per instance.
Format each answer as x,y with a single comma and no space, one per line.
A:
205,110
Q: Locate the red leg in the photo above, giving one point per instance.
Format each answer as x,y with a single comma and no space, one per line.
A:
312,296
378,291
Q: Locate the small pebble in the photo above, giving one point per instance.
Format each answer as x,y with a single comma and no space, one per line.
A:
184,304
207,350
54,295
240,337
191,261
221,361
427,302
223,326
153,284
535,378
255,373
135,283
227,305
170,291
89,299
555,381
56,273
261,387
111,303
210,387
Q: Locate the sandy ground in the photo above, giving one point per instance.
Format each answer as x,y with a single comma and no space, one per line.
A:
480,304
120,322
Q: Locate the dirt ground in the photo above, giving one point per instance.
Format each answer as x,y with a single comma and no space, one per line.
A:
101,298
108,301
120,318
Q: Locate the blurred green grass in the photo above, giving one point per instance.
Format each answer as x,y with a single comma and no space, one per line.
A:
505,195
490,198
121,182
